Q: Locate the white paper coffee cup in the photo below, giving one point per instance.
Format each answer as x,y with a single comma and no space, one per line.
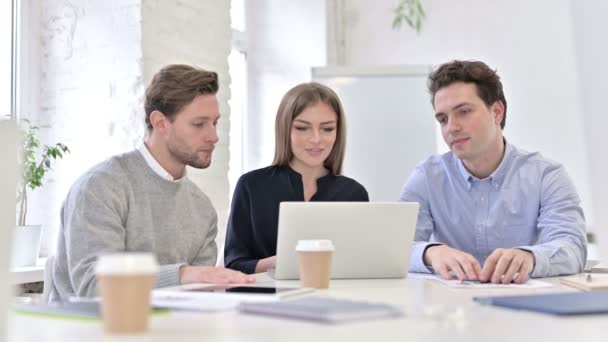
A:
314,246
315,262
126,264
125,281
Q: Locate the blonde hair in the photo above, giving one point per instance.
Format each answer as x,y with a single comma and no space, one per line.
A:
294,102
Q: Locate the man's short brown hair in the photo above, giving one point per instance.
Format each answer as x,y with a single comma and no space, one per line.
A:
487,82
174,87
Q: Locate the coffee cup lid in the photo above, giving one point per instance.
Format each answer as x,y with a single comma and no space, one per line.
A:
127,263
314,245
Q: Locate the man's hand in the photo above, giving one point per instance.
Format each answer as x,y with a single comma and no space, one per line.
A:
265,264
444,259
214,275
503,265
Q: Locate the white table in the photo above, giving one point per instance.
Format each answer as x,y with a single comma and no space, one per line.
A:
434,313
31,274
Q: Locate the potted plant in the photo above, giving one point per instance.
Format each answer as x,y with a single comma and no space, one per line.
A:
35,161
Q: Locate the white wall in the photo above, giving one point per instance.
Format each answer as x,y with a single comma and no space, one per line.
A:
95,59
551,55
592,51
530,43
195,32
89,91
284,40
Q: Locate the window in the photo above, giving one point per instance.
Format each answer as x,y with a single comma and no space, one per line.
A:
6,59
237,63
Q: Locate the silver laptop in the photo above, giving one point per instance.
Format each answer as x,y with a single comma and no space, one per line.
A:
371,239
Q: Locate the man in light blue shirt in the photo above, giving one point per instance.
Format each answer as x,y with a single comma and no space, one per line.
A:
487,202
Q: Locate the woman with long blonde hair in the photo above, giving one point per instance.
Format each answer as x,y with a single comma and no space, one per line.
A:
310,141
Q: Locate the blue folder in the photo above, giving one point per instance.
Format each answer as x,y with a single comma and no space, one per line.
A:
569,303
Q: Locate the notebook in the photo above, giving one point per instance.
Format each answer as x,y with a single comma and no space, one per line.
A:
61,309
324,310
569,303
85,310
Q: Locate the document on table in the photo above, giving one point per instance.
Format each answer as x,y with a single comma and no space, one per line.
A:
168,301
473,284
220,297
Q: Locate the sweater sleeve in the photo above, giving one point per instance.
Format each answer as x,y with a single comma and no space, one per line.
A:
168,275
207,254
239,235
93,225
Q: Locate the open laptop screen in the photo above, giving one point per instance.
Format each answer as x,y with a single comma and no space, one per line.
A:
371,239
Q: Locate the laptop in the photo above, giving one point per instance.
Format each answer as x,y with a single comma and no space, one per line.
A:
371,239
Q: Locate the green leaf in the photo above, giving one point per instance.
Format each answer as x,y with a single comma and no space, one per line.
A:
35,160
410,11
420,9
409,22
397,23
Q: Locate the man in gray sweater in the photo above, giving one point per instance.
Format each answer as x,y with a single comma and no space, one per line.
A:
142,201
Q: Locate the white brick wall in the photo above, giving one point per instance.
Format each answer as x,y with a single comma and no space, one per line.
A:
96,59
198,33
279,58
90,92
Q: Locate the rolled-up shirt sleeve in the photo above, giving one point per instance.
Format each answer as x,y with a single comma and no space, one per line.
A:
416,190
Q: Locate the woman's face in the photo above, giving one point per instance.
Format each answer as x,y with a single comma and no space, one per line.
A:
313,134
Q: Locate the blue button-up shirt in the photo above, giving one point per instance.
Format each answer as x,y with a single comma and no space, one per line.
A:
529,203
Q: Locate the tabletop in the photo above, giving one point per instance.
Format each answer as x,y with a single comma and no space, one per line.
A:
433,312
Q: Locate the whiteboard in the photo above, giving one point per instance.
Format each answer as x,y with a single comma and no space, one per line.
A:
390,123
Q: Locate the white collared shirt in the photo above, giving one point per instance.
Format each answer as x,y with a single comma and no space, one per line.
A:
155,166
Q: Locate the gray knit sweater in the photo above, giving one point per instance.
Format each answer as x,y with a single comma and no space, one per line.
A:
123,205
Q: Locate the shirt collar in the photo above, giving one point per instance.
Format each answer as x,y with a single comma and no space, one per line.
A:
466,175
496,177
155,166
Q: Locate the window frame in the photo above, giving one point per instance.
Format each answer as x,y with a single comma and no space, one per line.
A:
238,164
15,9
